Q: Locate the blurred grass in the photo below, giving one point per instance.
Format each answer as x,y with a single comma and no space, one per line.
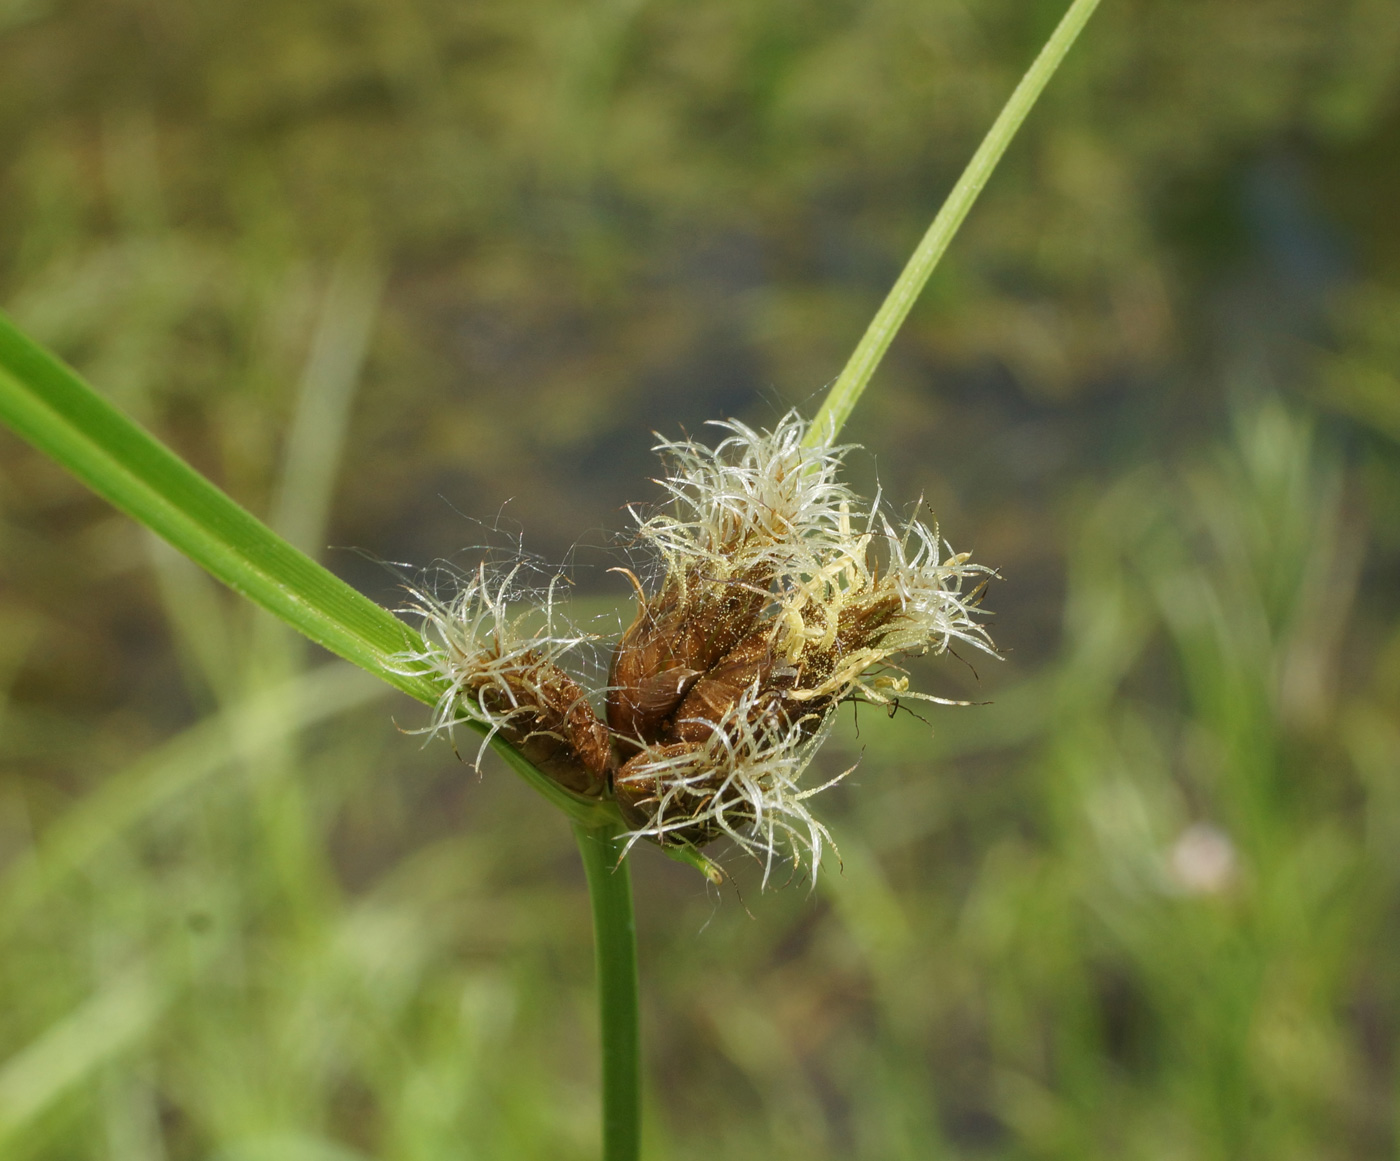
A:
373,267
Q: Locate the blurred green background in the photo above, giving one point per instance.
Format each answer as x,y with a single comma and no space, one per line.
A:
417,280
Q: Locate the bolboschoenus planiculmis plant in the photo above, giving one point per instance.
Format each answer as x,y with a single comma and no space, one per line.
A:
776,595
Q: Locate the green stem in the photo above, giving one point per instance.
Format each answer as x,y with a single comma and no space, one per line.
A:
615,953
841,399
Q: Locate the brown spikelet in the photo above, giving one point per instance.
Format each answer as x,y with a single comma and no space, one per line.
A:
639,797
549,720
781,595
749,663
676,639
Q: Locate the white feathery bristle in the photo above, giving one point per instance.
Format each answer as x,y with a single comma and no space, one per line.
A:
750,500
745,781
472,643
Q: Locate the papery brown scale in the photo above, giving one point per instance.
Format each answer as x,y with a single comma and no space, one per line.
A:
721,618
553,725
648,675
675,639
867,622
638,797
711,698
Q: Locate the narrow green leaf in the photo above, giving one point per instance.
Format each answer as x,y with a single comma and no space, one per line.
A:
840,401
50,406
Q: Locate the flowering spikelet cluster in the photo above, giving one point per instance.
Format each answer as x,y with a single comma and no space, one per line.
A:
507,679
780,594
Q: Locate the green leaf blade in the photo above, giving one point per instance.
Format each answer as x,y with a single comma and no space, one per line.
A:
841,400
49,405
52,408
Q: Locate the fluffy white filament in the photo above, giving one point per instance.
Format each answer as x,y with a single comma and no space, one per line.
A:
843,589
472,644
762,500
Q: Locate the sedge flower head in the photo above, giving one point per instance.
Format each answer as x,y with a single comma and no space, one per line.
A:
500,669
779,595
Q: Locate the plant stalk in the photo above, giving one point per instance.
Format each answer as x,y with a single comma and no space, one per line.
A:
840,401
615,954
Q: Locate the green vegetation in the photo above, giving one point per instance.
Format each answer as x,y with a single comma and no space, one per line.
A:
1137,906
47,404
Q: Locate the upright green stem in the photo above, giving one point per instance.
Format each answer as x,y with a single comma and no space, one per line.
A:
841,399
615,953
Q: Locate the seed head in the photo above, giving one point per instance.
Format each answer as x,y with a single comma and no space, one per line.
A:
780,594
